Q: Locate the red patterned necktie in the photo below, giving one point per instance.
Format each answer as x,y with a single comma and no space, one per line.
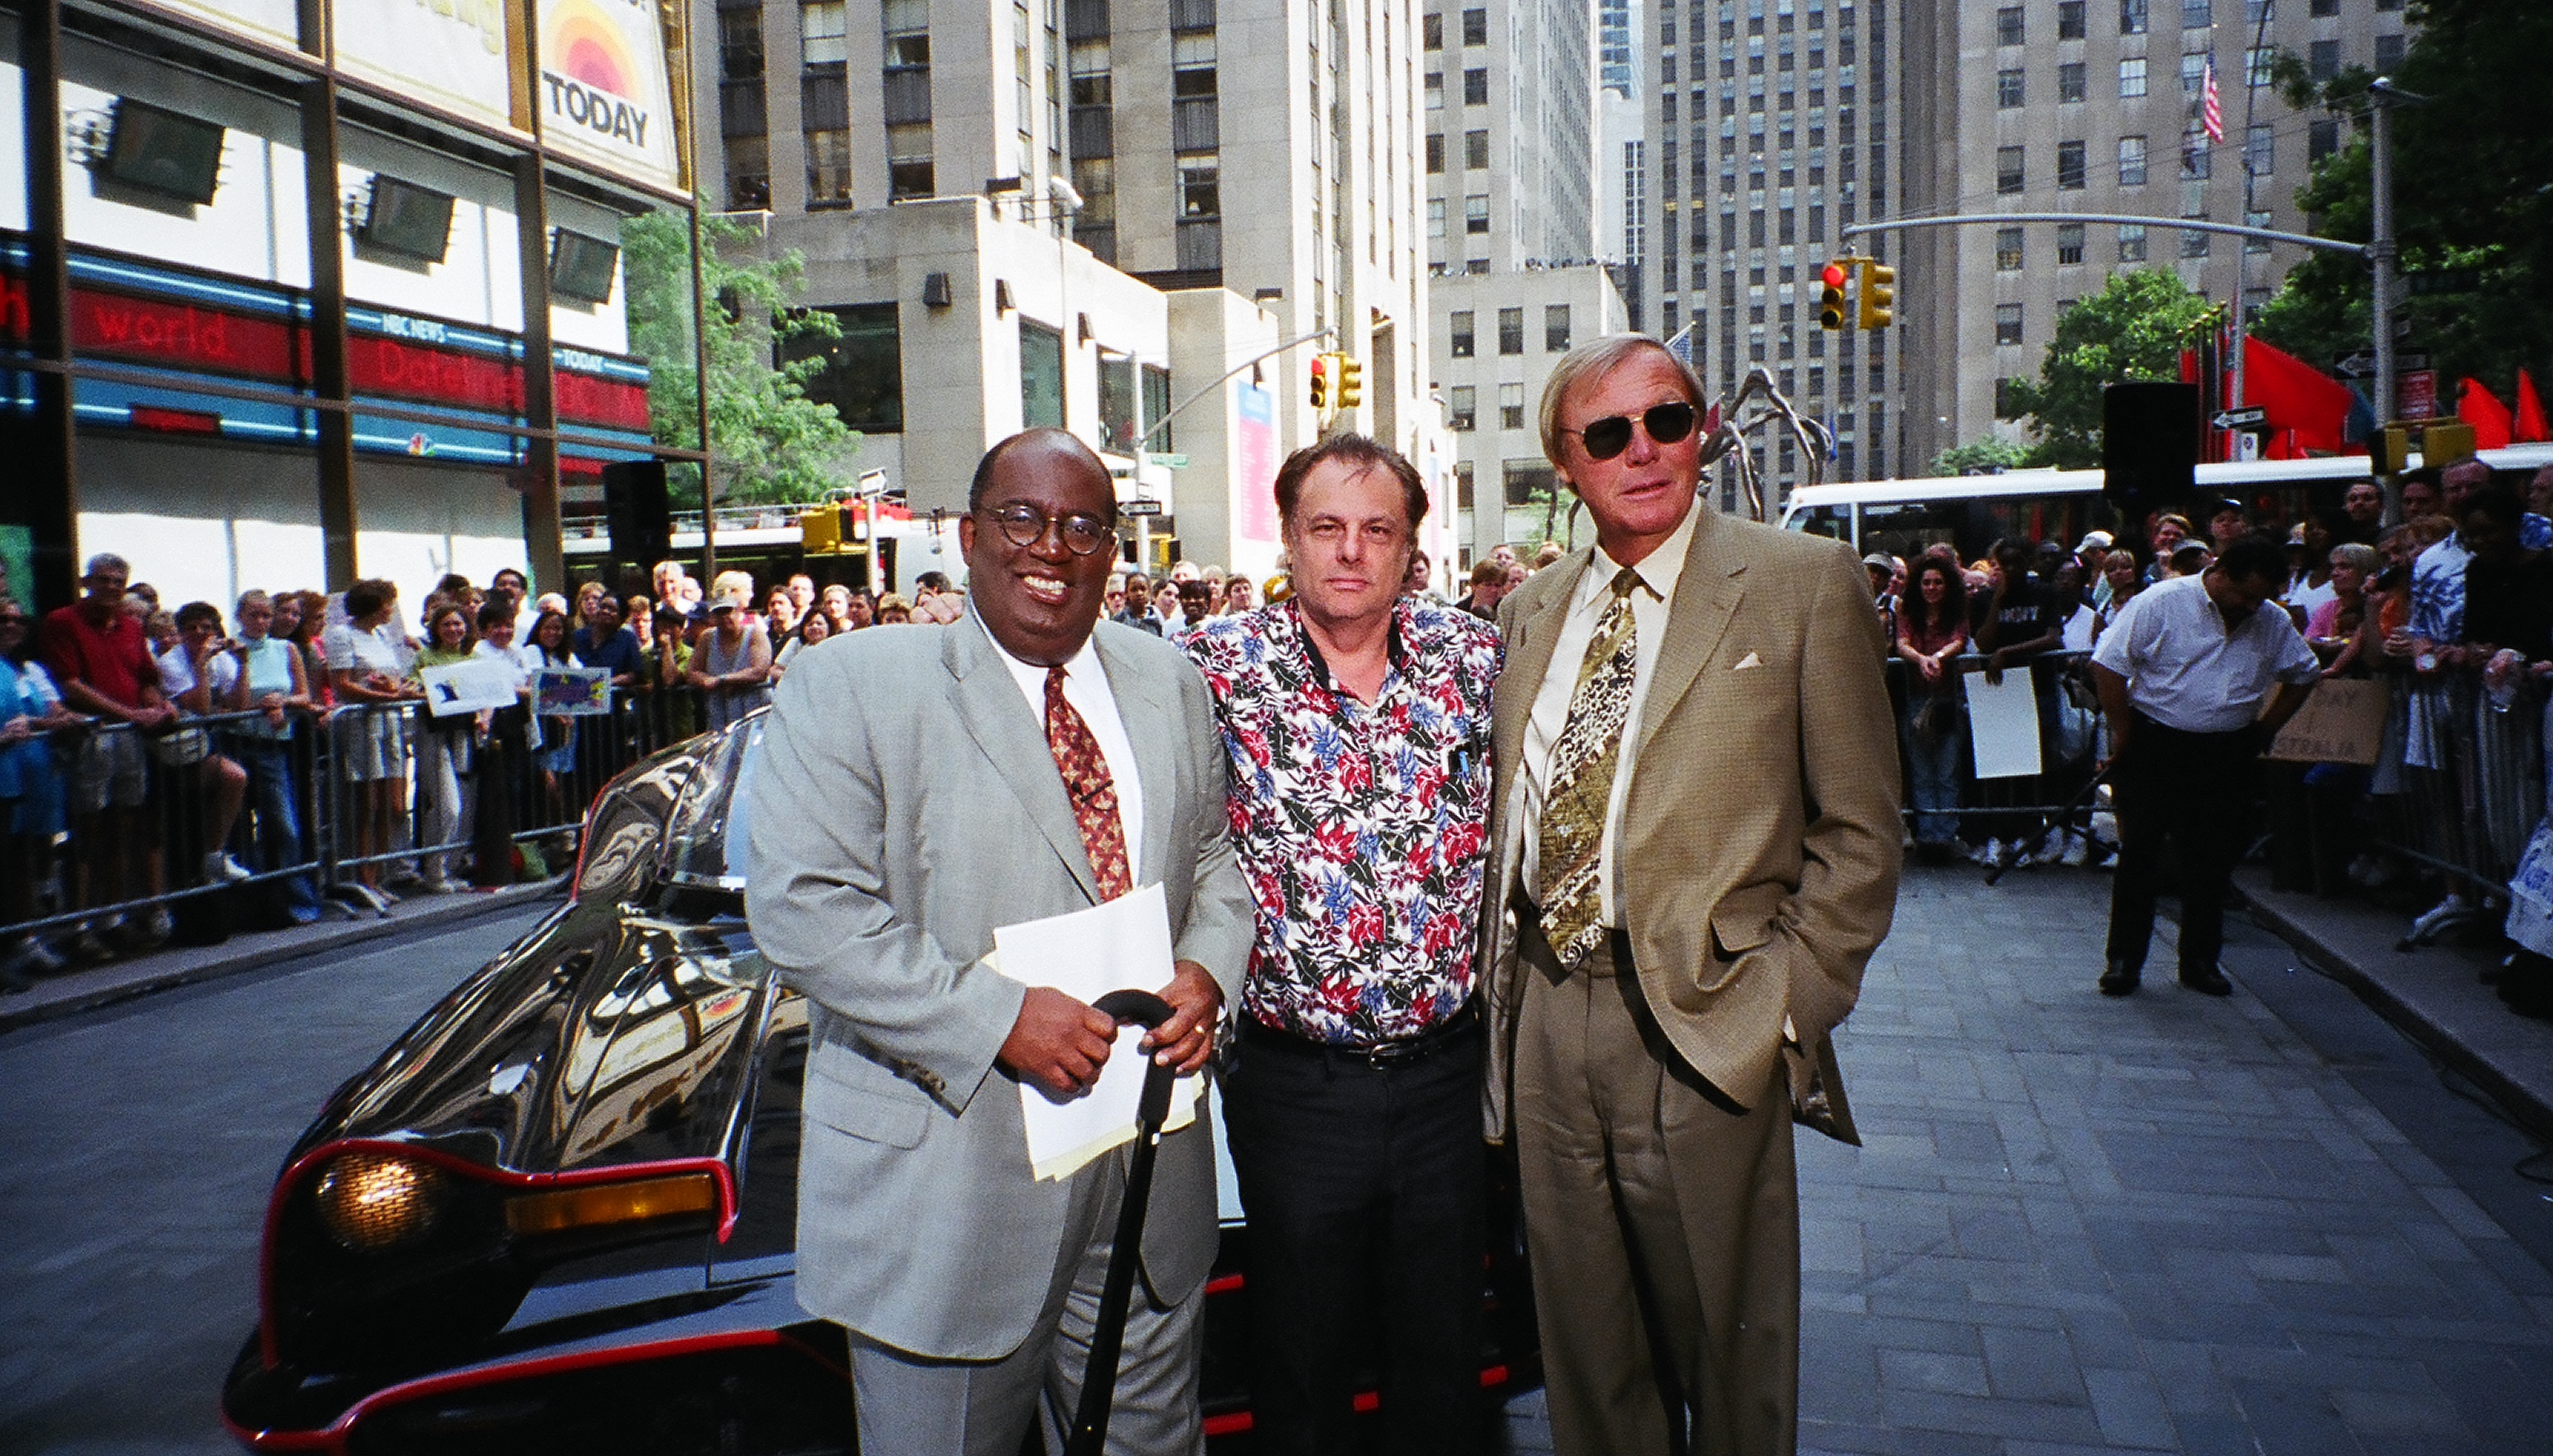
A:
1092,790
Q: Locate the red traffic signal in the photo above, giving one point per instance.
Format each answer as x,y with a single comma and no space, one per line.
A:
1834,275
1832,312
1320,382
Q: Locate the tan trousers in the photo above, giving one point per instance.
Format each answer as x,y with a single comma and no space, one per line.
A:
1663,1228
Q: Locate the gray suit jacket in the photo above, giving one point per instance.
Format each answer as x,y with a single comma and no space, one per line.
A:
904,804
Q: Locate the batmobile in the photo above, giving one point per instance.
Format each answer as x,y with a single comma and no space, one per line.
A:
558,1215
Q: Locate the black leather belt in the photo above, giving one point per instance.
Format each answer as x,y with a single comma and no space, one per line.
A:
1453,1031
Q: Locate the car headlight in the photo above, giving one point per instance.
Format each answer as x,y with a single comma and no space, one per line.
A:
372,1201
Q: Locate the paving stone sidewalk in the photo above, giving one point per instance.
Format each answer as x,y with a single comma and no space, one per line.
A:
2162,1224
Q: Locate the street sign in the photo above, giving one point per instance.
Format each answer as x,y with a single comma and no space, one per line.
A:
2362,365
2239,419
1139,507
2418,390
2442,280
1174,462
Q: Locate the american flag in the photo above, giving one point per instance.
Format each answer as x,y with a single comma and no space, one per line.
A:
2211,112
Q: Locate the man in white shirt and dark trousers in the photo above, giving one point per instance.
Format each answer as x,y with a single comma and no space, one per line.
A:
2182,674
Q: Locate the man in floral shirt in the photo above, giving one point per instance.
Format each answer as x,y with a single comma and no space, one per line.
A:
1357,721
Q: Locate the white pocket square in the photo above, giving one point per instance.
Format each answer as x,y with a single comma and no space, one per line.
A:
1750,661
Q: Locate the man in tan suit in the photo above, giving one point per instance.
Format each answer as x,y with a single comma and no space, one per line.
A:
1697,852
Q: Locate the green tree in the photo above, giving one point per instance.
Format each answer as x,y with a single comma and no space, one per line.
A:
2134,329
768,441
1989,453
2473,188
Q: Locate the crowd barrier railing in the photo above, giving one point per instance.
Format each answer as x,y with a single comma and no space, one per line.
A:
134,836
1945,798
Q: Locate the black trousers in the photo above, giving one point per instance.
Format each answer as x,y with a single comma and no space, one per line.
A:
2195,790
1363,1186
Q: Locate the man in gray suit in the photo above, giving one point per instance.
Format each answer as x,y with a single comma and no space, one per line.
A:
917,787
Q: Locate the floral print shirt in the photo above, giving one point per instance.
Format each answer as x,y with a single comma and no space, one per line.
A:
1363,829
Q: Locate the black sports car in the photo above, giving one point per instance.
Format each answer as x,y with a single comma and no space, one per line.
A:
558,1215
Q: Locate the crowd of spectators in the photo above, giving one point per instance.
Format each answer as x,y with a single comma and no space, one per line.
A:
2454,604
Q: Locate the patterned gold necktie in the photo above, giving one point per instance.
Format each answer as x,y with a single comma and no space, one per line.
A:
1577,786
1093,791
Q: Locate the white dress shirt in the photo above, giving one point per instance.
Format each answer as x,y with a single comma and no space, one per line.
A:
1086,687
1650,605
2190,668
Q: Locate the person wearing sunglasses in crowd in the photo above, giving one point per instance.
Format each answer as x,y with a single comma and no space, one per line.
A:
1695,852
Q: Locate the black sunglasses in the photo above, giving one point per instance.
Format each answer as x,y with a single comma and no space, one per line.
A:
1608,437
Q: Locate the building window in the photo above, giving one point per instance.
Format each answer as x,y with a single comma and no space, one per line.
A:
748,173
1510,406
2007,322
1200,188
908,162
1435,154
2131,242
820,33
1431,31
2007,405
2193,243
2388,54
1475,27
2322,139
1435,86
2132,77
2322,59
2008,90
2197,164
1555,328
1512,331
859,371
1458,336
2008,30
2132,17
829,167
2069,20
2197,15
1475,213
1475,151
740,45
1524,481
2193,69
1192,92
1435,217
1041,375
2069,167
1462,408
2009,173
2008,250
2132,162
2256,218
1476,86
1463,485
2070,81
2069,243
2260,66
2260,150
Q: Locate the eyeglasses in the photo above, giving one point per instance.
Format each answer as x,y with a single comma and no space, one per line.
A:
1024,525
1608,437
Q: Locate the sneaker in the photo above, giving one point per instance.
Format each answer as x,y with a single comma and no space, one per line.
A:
2052,845
219,866
89,948
1988,853
31,956
437,884
2079,850
2430,920
402,877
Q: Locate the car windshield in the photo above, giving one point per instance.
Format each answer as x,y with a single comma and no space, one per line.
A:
705,843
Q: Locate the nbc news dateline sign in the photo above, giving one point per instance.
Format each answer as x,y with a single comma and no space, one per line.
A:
600,87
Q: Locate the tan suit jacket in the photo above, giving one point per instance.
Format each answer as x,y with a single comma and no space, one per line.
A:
1756,867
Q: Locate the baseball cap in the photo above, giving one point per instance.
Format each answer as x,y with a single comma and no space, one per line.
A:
2092,539
1881,560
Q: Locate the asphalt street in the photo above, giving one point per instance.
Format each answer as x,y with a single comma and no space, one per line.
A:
2170,1224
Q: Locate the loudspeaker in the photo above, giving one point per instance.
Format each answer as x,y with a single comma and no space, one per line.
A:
2148,443
636,509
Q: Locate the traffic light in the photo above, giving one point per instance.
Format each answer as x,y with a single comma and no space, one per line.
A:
1830,310
1320,382
1351,381
1877,295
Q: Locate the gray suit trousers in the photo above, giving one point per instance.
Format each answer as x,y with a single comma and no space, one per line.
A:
1664,1229
967,1408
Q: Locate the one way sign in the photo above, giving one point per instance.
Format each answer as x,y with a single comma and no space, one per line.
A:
2248,418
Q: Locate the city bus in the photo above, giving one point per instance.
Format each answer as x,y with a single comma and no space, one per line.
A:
1902,517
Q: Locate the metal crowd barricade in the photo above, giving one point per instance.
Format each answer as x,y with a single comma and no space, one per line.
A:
2460,788
329,803
2020,805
